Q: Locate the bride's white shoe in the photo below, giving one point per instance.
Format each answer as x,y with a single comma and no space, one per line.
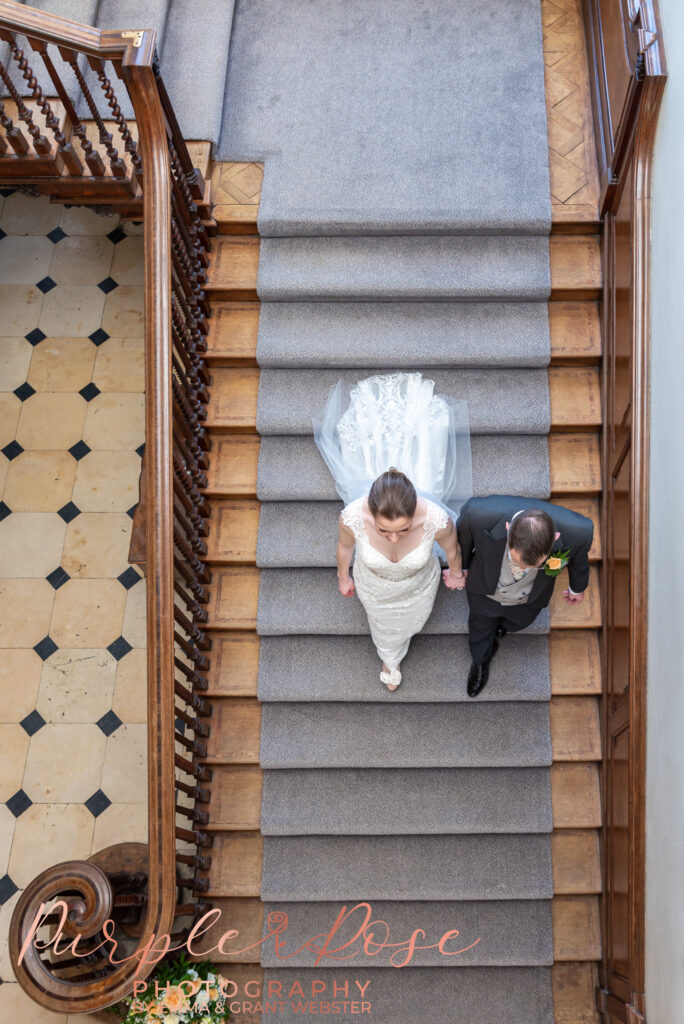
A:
391,679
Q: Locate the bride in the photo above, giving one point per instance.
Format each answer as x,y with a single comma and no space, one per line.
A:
400,458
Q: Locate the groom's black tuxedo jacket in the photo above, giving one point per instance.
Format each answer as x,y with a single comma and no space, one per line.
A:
482,535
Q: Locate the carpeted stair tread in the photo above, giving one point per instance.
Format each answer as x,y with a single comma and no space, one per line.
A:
299,534
288,399
196,84
410,334
388,801
307,601
342,668
429,735
292,469
497,933
427,267
407,867
376,117
414,995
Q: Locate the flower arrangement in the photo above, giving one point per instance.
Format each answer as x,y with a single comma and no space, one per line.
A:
180,992
556,562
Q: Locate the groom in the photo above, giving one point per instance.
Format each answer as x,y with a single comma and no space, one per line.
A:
513,548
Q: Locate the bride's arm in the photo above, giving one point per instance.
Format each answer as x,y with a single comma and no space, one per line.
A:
454,577
345,549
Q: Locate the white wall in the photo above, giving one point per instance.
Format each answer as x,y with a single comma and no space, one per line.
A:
665,731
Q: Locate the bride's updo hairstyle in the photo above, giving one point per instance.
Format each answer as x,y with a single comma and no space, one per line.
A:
392,496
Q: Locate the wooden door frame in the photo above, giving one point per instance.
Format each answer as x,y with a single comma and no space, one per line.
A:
622,144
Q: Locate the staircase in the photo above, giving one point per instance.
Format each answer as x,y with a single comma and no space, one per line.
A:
364,254
441,812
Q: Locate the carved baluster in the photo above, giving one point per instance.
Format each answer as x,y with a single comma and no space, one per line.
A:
199,728
197,544
195,815
186,193
197,635
14,136
199,526
194,860
198,771
184,476
191,651
124,131
194,746
198,839
116,163
203,709
196,884
40,143
90,155
186,396
193,468
200,593
66,150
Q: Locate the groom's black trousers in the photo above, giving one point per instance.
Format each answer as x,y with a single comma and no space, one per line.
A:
486,614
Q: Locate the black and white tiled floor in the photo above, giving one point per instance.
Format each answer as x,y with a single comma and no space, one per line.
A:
72,609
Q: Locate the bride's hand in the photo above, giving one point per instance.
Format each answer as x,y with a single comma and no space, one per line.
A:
346,586
454,582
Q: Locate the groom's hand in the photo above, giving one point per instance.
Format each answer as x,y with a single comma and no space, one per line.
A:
573,598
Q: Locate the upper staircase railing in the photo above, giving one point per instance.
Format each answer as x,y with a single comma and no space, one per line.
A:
143,892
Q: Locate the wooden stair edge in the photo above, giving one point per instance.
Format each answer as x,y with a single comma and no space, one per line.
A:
575,265
574,328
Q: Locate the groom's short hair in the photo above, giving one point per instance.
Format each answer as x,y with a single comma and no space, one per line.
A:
532,534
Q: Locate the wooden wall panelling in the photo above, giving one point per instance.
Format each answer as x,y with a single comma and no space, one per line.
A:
628,73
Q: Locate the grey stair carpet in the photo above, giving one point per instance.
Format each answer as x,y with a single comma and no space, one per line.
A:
404,221
307,601
414,995
298,534
427,267
488,934
291,468
392,801
391,117
410,867
340,668
289,398
416,334
200,33
448,735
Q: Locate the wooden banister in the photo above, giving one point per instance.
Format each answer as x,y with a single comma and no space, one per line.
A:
168,540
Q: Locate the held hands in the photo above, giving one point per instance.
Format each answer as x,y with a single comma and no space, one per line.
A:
573,598
346,586
454,581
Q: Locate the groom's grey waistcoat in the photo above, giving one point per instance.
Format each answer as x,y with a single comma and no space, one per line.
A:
508,589
483,538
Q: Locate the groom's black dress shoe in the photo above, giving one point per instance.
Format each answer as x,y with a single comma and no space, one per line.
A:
479,674
501,630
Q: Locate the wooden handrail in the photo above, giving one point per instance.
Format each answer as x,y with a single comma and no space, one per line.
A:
168,183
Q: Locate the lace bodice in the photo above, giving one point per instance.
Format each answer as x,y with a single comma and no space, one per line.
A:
413,562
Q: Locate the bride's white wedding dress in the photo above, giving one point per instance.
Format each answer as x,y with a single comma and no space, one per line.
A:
396,420
397,596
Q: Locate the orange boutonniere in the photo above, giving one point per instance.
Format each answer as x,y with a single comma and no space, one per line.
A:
556,562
